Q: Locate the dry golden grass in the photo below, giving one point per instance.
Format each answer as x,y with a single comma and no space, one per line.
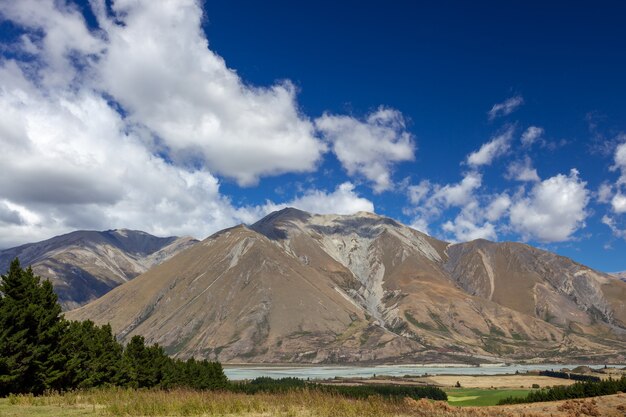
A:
122,402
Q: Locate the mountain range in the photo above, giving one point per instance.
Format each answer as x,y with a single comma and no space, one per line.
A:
85,265
301,287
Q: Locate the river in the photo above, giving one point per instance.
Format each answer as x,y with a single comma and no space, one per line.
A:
235,373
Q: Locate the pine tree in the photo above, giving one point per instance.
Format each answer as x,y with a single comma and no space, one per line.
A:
31,327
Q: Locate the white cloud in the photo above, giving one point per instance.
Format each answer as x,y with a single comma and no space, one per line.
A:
418,192
421,225
506,107
369,147
620,162
522,171
618,203
159,67
458,194
604,193
554,209
8,215
344,200
466,230
498,207
610,222
75,165
531,135
470,223
57,35
496,147
76,161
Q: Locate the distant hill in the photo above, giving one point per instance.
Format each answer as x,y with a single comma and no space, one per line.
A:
84,265
299,287
620,275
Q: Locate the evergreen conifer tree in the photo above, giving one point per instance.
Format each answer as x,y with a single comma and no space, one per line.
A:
31,327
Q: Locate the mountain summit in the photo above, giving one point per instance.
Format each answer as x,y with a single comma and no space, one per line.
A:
84,265
301,287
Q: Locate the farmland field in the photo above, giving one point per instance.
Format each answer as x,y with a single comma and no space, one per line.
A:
475,397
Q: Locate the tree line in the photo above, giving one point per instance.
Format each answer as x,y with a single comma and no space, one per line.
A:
289,384
567,375
577,390
40,350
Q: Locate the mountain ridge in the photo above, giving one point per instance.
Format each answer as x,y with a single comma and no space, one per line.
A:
300,287
85,264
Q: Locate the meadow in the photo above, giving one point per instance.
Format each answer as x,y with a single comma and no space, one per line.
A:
480,397
184,402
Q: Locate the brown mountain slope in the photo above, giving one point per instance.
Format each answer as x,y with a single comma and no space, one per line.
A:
312,288
84,265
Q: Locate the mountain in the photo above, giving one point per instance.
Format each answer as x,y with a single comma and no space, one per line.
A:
298,287
84,265
620,275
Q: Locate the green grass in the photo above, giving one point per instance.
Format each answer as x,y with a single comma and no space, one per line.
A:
478,397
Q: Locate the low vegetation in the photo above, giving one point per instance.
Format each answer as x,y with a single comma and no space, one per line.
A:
577,390
480,397
186,402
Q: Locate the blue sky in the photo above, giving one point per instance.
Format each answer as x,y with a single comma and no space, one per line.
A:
502,121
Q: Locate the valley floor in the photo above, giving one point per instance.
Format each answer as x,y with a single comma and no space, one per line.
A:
303,404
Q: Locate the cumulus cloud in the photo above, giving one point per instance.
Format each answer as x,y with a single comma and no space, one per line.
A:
531,135
431,200
465,230
498,207
618,203
457,194
344,200
129,124
496,147
505,108
369,147
417,193
522,171
76,166
159,67
554,209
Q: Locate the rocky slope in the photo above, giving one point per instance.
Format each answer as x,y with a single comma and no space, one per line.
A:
327,288
84,265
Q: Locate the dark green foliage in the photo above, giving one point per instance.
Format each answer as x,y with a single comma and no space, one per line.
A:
269,385
567,375
577,390
40,350
93,356
31,329
193,374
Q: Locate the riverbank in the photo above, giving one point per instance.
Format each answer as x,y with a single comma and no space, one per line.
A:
324,372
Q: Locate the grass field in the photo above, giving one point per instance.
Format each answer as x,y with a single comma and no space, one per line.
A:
479,397
306,403
148,403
